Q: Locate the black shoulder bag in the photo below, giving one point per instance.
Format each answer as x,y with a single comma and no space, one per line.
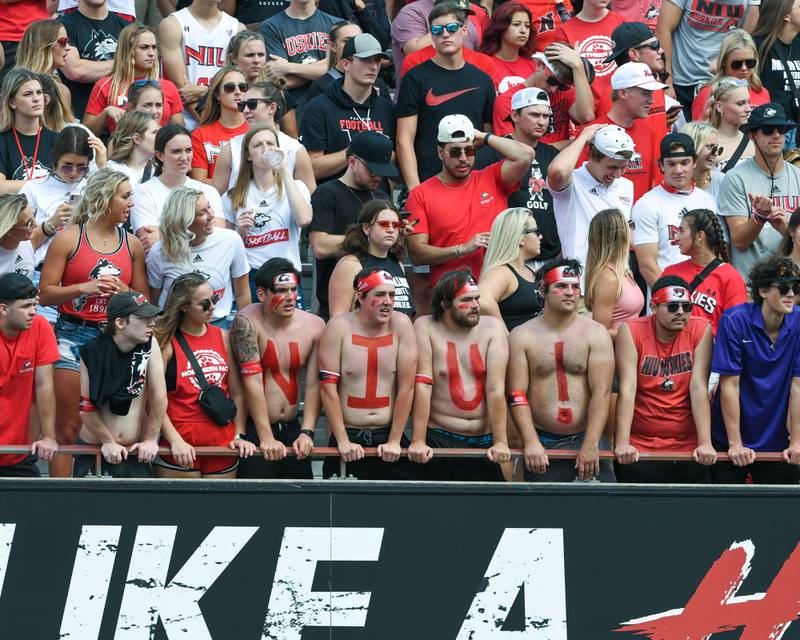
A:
214,401
698,279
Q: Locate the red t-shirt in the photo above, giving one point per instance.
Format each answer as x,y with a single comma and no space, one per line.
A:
662,417
16,16
207,142
721,289
644,171
452,215
99,100
592,40
701,101
560,102
658,113
511,74
481,60
19,357
547,17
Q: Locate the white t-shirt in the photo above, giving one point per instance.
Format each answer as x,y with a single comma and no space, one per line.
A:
275,233
287,143
135,175
575,206
45,197
149,199
20,260
658,215
220,259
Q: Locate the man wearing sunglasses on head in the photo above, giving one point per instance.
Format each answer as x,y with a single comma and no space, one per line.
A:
757,354
758,193
663,364
456,208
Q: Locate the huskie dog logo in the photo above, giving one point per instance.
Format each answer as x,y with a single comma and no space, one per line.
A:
101,46
104,267
261,218
138,370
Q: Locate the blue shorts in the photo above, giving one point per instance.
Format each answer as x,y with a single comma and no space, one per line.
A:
70,338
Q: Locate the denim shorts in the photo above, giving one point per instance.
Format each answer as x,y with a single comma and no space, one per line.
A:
71,337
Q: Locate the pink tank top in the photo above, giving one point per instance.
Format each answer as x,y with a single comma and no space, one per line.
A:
630,302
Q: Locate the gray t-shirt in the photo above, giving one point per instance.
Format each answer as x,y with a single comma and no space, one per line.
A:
746,177
696,41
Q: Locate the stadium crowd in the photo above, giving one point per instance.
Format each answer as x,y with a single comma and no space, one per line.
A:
534,224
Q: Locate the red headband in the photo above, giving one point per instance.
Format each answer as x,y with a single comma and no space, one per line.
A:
374,279
285,278
670,294
561,274
470,287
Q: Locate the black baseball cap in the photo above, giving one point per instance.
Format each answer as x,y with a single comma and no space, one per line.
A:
628,35
130,303
375,149
460,5
768,115
677,138
15,286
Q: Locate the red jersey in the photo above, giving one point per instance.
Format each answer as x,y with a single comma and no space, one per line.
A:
208,140
701,101
19,357
644,171
452,215
662,409
560,102
100,99
481,60
16,16
511,74
212,356
548,15
721,289
86,264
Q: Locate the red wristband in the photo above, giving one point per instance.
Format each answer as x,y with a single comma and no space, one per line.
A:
517,399
423,379
250,368
86,405
329,377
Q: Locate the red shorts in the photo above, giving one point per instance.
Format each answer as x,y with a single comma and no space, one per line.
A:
204,434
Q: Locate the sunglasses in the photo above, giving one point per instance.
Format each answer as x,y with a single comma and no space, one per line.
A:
251,103
230,87
147,83
455,152
632,224
673,307
532,230
783,289
68,167
555,82
750,63
63,41
769,129
715,150
390,224
655,46
27,226
439,29
206,304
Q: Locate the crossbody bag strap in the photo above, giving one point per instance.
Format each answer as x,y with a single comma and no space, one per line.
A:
698,279
737,154
198,372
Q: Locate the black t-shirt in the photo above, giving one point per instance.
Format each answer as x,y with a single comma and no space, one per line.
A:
95,40
430,92
403,300
532,194
335,207
775,78
252,11
11,165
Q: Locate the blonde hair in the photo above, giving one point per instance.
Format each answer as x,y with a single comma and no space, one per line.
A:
738,39
173,228
123,73
11,207
699,131
100,189
212,109
129,125
14,79
608,246
238,193
180,294
57,112
35,51
719,90
507,231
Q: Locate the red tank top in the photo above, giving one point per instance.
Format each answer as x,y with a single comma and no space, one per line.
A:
86,264
209,349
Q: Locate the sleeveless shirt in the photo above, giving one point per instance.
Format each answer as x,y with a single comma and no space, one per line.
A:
522,305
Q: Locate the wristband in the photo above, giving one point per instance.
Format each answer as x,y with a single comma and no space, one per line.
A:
86,405
759,218
48,229
307,432
486,138
329,377
518,399
421,378
250,368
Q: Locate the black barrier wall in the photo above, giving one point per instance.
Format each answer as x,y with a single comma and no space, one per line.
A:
103,559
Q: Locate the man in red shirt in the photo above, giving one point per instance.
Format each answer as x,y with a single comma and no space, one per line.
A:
663,362
454,210
27,352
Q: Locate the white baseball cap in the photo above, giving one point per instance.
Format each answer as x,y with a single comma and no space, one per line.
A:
529,97
613,142
455,128
635,74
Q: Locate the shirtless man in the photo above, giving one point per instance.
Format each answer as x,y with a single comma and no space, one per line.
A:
368,359
273,340
559,378
123,391
459,397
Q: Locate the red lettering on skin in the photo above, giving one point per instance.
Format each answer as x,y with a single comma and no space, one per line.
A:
564,415
276,301
371,400
454,377
270,362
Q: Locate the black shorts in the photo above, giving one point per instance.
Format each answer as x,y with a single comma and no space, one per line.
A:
290,468
25,468
128,468
461,469
663,472
724,472
372,468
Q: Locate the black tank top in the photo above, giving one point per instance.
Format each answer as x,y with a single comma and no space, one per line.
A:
522,305
403,301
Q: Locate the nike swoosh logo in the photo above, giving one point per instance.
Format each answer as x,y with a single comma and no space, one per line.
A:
747,341
434,101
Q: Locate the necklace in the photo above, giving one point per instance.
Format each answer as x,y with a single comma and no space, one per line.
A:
28,170
355,195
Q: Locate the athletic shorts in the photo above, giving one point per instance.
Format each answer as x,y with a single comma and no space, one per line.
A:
290,468
372,468
128,468
25,468
70,337
203,434
461,469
